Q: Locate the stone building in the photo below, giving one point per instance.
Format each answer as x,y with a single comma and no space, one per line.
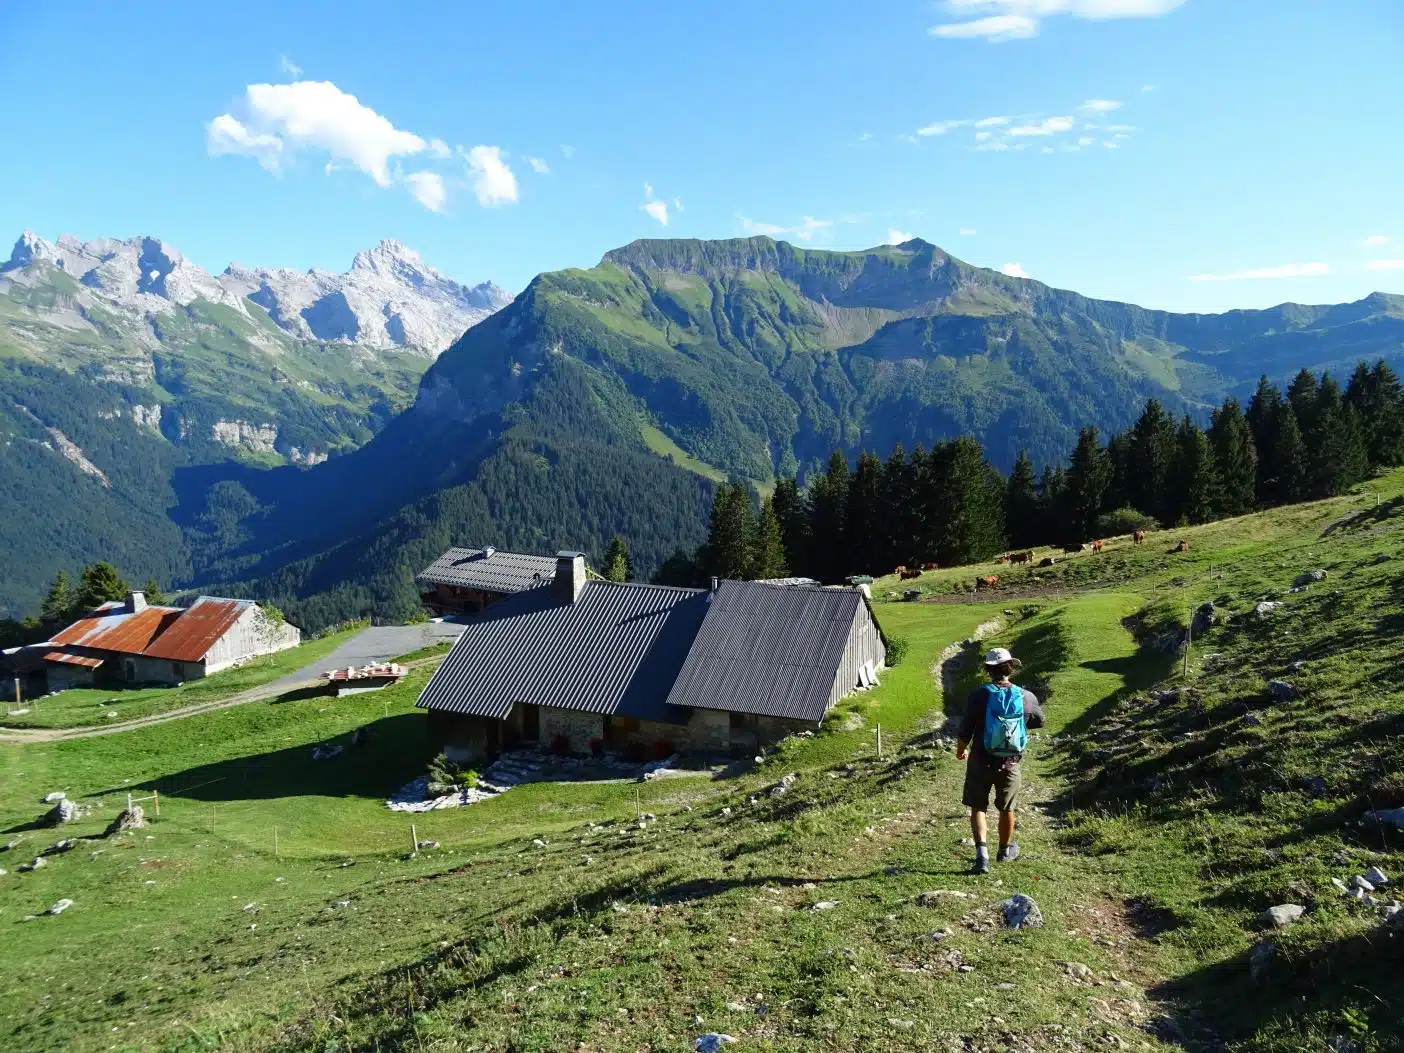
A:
465,580
133,642
579,664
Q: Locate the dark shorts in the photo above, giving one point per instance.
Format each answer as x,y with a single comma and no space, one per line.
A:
982,776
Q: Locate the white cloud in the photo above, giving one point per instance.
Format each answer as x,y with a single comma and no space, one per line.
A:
996,145
1121,129
940,127
897,237
804,230
655,208
226,135
865,137
428,189
288,66
983,137
908,138
1386,265
966,232
567,151
1101,105
1289,270
1086,140
1048,126
992,122
493,181
1014,270
1110,145
539,165
1003,20
1376,239
1147,88
677,204
439,148
996,28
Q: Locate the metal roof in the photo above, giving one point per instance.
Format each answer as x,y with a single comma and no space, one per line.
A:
66,658
772,650
112,627
489,570
191,636
180,634
615,650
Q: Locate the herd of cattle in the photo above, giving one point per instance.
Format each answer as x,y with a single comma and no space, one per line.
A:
1026,558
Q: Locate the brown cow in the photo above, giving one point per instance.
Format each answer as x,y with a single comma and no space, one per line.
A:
1002,559
1074,548
1021,557
899,570
931,566
1183,546
1047,561
989,582
1137,536
908,575
1097,546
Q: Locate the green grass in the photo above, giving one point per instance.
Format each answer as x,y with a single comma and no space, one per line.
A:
1153,835
84,707
660,444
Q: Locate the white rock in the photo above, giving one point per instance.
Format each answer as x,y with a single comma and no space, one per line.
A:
50,798
1376,877
61,906
711,1042
1282,915
1362,884
826,904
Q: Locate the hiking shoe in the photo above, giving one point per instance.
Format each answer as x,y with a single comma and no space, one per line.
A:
982,865
1008,852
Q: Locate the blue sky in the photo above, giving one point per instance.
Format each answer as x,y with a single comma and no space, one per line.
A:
1129,149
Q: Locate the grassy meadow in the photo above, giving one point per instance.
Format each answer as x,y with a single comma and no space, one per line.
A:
276,903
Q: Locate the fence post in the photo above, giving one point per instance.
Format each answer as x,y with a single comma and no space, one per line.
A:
1189,639
414,840
879,741
276,853
156,799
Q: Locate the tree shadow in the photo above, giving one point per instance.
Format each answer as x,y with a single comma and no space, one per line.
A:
387,753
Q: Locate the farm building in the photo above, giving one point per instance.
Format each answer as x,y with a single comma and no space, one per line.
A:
135,642
465,580
581,664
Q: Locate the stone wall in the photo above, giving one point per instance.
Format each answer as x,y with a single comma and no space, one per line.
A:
577,728
709,730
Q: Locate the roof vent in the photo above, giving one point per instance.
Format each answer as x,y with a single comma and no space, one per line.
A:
488,551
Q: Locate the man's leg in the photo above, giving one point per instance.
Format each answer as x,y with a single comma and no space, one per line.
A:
977,831
1006,797
1006,827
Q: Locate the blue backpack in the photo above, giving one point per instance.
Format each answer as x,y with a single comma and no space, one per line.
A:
1006,733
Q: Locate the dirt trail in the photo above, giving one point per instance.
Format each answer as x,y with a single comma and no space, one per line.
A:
22,736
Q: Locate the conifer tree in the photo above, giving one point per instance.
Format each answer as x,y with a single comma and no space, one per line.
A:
1288,481
1194,478
768,556
1303,394
865,515
1378,400
1052,502
828,501
1337,455
971,497
58,608
1151,449
898,512
1236,457
792,512
1088,476
1021,515
729,541
1262,421
99,584
617,566
1119,457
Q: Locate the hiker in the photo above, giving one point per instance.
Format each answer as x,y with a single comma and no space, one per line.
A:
994,736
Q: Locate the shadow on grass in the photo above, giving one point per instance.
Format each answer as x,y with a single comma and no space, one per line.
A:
388,753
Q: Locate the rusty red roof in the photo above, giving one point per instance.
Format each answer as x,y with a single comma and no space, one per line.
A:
73,659
113,628
173,633
196,630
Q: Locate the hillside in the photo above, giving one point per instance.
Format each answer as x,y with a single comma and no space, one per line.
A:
275,904
121,361
750,358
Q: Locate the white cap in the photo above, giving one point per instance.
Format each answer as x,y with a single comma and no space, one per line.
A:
999,656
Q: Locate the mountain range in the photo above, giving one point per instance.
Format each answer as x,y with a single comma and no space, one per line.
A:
610,399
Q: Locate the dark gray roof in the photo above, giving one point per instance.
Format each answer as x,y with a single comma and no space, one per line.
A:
768,649
615,650
493,571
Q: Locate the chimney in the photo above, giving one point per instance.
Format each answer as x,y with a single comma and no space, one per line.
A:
714,583
570,575
488,551
136,601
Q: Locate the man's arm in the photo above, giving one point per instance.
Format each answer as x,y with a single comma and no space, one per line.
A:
1033,710
974,718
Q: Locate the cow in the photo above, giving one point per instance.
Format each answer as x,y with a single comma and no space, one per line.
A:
1002,559
1183,546
1097,546
931,566
1137,536
990,581
1047,561
1074,548
899,570
1021,557
908,575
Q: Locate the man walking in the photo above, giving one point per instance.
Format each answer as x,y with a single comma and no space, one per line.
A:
994,736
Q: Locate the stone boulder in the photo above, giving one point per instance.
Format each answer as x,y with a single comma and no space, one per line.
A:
1283,691
1020,912
132,818
65,811
1282,915
1308,577
1266,608
1260,960
1205,616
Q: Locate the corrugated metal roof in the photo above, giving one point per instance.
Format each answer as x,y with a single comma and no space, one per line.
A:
112,627
191,635
772,650
615,650
493,571
68,658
